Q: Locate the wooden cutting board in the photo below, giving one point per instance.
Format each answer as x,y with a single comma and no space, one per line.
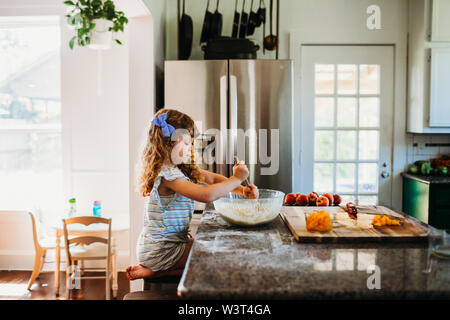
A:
350,230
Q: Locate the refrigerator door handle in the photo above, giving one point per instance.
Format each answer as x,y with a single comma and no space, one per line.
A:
221,146
233,123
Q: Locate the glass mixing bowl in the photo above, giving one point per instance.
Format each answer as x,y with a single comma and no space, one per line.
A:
242,211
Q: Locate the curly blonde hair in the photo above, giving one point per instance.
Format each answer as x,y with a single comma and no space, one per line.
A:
158,149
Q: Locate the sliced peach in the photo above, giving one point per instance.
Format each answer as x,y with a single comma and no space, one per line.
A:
322,201
330,198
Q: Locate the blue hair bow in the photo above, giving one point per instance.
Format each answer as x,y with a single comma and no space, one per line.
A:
166,128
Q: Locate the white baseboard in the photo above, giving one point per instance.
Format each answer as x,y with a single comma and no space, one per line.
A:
24,260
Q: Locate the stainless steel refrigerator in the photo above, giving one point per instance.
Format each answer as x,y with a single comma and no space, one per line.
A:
254,96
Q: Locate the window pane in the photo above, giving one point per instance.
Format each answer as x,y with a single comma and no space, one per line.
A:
30,170
368,145
324,112
346,79
368,200
324,75
347,198
346,145
345,177
369,112
346,112
30,74
368,177
369,79
323,177
324,145
30,161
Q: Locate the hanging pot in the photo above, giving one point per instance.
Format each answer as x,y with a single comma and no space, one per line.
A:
261,14
101,37
235,30
252,21
216,26
185,36
206,29
244,21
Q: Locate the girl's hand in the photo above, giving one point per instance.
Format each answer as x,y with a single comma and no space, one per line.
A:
240,171
251,192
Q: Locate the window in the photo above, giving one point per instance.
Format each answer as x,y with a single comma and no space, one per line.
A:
30,114
347,130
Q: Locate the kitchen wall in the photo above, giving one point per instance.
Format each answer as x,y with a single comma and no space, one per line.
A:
327,22
107,100
427,146
95,131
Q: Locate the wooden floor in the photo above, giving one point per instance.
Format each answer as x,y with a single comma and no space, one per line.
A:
13,284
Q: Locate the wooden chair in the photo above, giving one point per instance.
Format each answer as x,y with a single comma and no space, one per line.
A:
41,246
97,248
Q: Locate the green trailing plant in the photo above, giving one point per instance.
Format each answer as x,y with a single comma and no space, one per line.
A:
83,12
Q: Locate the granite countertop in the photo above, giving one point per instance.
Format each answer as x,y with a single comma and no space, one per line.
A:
427,179
265,262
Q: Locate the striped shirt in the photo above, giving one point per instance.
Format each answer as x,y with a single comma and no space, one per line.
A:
166,224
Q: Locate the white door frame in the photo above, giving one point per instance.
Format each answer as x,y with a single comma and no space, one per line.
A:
300,37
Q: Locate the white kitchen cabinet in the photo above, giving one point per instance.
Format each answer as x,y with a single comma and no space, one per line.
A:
428,68
440,21
439,87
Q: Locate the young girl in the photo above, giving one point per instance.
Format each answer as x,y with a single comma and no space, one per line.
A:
170,183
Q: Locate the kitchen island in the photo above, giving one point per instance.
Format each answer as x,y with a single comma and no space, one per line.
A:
265,262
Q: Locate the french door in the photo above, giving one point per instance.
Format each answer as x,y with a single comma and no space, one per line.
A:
347,120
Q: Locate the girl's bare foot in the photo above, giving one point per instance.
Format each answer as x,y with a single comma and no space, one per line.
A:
138,272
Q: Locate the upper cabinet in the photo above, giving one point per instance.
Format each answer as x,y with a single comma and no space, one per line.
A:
429,66
439,87
440,21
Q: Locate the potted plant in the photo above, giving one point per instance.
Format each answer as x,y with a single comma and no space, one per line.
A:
94,22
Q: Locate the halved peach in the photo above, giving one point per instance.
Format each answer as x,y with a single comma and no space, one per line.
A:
322,201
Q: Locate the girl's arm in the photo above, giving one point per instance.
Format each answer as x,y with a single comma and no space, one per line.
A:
211,192
250,192
213,178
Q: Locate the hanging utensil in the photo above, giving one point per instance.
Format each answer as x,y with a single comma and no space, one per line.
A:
235,31
244,21
252,21
278,28
216,28
261,14
206,29
185,37
271,41
262,19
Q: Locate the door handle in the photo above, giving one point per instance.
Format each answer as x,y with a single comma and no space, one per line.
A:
233,120
223,141
385,174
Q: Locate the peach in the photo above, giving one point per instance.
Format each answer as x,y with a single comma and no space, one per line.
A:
322,201
337,199
330,198
312,198
302,200
289,199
